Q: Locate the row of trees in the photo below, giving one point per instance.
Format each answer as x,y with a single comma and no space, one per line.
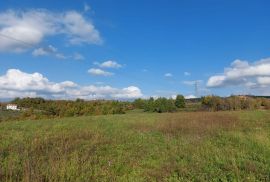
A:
36,108
40,108
160,105
216,103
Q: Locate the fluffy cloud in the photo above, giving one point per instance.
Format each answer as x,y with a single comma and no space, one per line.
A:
187,73
21,30
242,73
109,64
168,75
16,83
99,72
264,81
16,80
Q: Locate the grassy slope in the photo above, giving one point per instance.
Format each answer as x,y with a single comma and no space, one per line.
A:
226,146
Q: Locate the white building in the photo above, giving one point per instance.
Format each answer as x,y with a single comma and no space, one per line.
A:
13,107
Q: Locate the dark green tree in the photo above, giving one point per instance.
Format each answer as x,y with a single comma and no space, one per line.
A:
180,101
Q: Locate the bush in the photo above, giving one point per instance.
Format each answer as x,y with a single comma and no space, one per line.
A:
265,103
67,108
159,105
215,103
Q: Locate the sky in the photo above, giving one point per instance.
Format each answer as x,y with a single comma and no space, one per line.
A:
119,49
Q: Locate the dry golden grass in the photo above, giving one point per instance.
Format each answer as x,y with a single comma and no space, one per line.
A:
190,123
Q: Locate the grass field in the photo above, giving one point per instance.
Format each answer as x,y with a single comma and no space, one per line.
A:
186,146
8,115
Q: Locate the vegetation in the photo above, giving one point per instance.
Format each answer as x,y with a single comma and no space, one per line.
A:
160,105
234,103
180,101
185,146
39,108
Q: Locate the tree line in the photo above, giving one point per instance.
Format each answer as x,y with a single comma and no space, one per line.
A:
39,108
161,104
36,108
233,103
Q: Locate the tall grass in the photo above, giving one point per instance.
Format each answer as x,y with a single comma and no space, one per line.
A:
200,146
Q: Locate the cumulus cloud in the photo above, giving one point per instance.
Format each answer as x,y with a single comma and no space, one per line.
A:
16,83
108,64
21,30
168,75
16,80
243,73
187,73
99,72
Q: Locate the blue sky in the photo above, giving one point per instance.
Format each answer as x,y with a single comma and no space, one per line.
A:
160,47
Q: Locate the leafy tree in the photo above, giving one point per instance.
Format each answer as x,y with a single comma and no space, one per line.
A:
139,103
180,101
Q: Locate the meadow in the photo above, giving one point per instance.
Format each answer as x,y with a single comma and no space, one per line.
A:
137,146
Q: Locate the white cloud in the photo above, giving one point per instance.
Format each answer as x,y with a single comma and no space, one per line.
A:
129,92
109,64
79,29
61,56
263,81
243,73
22,30
190,97
239,64
16,80
52,51
187,73
44,51
40,52
99,72
16,83
168,75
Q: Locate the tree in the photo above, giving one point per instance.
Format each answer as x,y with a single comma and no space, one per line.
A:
139,103
149,105
180,101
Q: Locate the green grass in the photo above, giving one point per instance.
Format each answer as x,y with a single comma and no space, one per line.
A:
187,146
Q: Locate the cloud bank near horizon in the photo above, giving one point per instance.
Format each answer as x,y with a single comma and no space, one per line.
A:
252,76
16,83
